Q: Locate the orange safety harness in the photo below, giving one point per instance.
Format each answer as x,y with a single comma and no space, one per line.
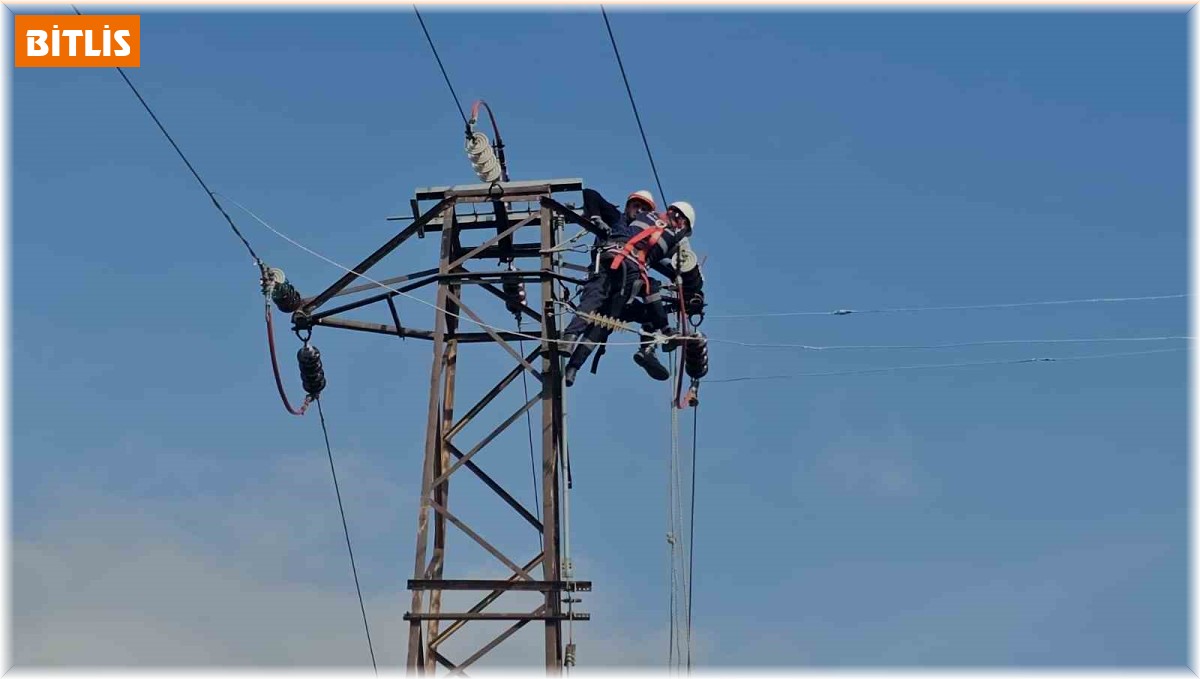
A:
651,234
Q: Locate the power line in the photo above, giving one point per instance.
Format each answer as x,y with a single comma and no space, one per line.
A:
390,288
521,335
629,91
457,104
847,312
203,185
865,371
952,345
346,530
262,266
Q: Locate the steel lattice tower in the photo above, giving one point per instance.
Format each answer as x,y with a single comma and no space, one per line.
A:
445,456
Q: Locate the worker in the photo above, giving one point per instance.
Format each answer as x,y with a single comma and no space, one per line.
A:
652,311
605,291
594,205
620,276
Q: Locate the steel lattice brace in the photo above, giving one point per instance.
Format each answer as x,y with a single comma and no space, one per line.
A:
444,456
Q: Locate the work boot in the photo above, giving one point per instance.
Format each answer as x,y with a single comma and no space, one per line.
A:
654,368
569,375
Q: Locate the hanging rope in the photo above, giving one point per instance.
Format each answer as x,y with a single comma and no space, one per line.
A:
674,534
691,544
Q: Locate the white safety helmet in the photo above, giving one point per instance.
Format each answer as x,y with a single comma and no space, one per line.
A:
643,196
687,210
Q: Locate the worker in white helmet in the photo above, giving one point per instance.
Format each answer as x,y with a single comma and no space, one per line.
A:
624,264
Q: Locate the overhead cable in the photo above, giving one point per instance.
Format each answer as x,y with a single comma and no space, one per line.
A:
632,103
847,312
457,103
346,531
481,324
864,371
190,167
952,345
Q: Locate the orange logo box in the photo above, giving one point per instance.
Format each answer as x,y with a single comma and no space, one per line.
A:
57,40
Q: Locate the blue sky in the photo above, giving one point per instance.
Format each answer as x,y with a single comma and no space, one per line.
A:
167,511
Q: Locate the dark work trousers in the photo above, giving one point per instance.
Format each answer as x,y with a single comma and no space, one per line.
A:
607,292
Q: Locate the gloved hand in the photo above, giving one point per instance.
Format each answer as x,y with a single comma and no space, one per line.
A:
601,225
695,304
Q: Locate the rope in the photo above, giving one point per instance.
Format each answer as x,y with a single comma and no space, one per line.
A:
346,530
537,505
691,544
636,116
678,546
439,63
671,538
203,185
947,365
846,312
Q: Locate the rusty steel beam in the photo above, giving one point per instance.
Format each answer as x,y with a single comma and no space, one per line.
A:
561,185
432,439
571,216
466,222
498,276
551,396
373,258
378,328
483,603
488,439
386,281
504,253
512,629
442,511
499,340
508,585
445,662
385,329
556,617
489,242
441,491
489,396
367,301
496,488
395,315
